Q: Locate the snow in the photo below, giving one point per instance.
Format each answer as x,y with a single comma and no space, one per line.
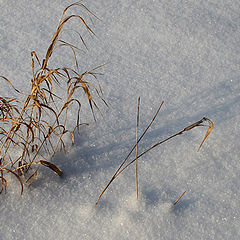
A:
183,52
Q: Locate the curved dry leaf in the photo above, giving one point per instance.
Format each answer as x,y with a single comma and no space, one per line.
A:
19,179
34,54
72,135
210,123
53,111
11,84
51,166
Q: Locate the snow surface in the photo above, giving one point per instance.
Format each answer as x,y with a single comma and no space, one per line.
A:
183,52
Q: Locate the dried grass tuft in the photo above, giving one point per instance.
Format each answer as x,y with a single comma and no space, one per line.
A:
34,130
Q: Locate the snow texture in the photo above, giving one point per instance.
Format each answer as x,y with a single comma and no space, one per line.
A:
183,52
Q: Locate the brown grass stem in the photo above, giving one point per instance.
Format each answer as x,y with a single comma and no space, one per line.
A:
179,198
123,162
196,124
138,107
188,128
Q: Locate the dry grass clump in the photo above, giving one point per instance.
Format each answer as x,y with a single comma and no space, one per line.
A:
36,128
124,165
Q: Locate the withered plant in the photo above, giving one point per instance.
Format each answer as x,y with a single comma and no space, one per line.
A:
32,132
124,165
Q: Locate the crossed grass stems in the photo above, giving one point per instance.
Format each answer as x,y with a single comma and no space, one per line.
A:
27,134
124,165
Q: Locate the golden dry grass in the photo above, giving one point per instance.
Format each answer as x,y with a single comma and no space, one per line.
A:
36,128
